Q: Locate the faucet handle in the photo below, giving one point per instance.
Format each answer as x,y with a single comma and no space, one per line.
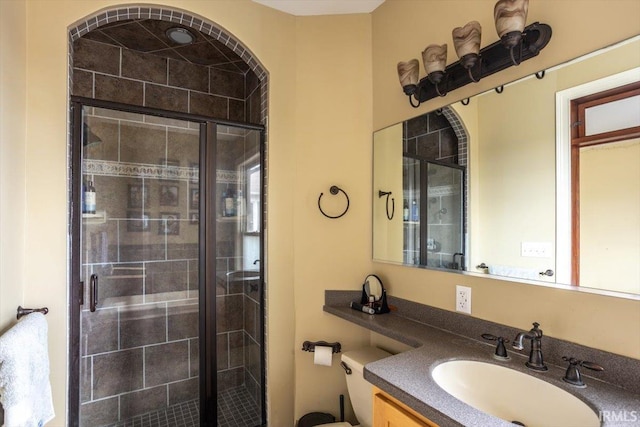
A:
573,375
536,327
501,351
592,366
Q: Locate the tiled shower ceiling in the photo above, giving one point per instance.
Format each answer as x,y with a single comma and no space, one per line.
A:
148,36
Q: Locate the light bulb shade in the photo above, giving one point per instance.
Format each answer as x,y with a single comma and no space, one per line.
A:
408,72
466,40
434,58
510,16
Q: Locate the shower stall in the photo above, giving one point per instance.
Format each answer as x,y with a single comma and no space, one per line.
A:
167,303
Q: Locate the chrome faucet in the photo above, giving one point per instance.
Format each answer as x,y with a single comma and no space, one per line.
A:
535,361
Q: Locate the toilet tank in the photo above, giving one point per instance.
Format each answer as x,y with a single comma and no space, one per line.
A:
360,390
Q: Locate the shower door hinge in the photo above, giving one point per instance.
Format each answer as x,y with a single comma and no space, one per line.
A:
81,296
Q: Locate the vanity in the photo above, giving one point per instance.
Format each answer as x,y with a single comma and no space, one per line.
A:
501,186
405,382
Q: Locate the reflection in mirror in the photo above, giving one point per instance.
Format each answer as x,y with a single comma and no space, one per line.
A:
430,161
500,213
598,174
433,213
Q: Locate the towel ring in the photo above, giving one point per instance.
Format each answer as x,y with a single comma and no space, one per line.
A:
334,190
393,203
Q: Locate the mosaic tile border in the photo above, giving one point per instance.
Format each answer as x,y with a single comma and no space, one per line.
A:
441,190
182,18
460,132
140,170
463,159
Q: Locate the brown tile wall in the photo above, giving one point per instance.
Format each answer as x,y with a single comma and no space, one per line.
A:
431,136
112,73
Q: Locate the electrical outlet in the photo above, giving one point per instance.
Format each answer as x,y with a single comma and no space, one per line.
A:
463,299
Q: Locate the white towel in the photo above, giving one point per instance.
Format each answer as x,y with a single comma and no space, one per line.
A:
514,272
25,391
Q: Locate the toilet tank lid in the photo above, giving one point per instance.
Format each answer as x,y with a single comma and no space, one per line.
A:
356,359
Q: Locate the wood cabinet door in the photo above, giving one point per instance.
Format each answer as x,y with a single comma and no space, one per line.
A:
389,413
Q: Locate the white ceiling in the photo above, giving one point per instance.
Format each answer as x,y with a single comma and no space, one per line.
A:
322,7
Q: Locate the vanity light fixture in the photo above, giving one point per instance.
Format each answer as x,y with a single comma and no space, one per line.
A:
408,73
510,17
466,41
475,63
180,35
434,58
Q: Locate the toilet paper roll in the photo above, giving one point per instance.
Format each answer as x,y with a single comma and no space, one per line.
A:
323,355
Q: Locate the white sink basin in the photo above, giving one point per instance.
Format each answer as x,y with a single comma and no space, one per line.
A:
512,395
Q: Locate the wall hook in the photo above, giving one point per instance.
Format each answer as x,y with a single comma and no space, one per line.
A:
393,203
540,75
334,190
500,88
465,101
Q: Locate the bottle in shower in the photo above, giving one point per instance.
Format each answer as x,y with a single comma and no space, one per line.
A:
89,205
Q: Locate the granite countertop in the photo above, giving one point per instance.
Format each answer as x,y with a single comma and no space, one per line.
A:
407,376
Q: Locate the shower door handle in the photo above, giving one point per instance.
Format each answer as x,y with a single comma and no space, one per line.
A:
93,292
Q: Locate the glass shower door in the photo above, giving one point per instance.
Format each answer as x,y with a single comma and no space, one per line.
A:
412,232
445,216
239,287
139,258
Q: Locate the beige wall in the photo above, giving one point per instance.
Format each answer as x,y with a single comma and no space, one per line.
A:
609,211
401,29
322,113
333,146
12,158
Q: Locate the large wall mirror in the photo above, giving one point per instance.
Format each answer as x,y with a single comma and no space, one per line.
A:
493,186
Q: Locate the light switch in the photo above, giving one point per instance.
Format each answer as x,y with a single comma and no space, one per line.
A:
536,249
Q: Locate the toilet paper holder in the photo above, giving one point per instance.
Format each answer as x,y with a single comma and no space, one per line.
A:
311,346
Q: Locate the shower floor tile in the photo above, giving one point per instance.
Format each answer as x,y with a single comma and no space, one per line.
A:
236,408
186,414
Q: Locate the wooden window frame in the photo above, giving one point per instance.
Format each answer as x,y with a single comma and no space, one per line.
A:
579,140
